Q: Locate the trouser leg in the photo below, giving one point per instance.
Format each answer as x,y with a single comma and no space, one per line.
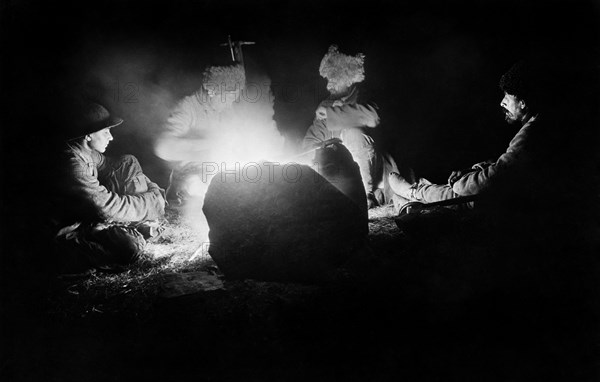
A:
117,243
388,165
99,246
434,192
126,176
190,179
362,149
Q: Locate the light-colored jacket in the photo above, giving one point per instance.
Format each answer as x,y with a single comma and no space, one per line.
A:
347,114
193,116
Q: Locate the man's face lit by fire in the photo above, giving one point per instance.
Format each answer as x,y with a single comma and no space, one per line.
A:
337,87
99,140
221,99
514,108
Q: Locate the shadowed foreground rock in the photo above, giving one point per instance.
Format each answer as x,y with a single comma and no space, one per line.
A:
283,222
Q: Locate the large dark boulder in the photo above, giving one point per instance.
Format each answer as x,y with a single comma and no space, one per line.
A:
285,222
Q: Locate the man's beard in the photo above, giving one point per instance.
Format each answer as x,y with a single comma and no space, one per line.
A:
509,117
338,90
220,105
335,91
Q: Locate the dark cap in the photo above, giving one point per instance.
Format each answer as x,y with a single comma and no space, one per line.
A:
87,117
532,80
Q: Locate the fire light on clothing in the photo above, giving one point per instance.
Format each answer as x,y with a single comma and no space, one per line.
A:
224,125
346,116
107,206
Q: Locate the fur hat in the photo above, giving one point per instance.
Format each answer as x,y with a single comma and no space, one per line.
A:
342,67
532,81
517,80
224,77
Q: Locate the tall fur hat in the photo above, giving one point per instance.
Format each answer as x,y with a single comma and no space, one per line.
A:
225,77
342,67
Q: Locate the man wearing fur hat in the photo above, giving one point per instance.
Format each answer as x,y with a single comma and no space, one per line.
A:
108,206
193,124
343,115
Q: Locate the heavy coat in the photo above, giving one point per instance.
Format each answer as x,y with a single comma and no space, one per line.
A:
90,199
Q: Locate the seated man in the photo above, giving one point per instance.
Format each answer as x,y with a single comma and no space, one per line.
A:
196,126
517,175
342,115
108,206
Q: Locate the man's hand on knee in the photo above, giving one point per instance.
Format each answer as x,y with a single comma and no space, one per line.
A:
456,175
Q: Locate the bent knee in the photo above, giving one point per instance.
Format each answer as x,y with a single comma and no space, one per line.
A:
356,139
128,159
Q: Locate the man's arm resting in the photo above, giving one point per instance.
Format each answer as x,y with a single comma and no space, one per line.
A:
173,148
351,116
112,206
488,175
316,133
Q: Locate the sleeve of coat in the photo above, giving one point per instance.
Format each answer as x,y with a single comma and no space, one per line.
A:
182,117
316,133
508,168
351,116
112,206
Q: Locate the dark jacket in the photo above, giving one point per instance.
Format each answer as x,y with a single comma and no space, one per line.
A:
86,199
515,163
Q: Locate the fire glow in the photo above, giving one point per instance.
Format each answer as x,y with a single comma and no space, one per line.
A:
236,147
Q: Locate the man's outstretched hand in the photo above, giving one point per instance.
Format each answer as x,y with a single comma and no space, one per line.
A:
456,175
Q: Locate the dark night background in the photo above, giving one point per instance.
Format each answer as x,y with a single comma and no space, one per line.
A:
432,67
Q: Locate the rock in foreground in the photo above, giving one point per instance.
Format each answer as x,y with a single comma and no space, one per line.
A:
282,222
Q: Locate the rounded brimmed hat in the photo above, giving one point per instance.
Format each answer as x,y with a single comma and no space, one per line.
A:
341,67
88,117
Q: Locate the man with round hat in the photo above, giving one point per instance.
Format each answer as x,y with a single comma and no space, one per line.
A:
108,206
346,116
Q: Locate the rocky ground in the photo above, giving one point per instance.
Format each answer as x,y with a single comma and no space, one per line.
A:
413,305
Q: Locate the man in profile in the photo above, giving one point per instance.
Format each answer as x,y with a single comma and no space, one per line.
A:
108,207
521,174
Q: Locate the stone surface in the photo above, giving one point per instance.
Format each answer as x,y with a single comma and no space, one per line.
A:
286,222
180,284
